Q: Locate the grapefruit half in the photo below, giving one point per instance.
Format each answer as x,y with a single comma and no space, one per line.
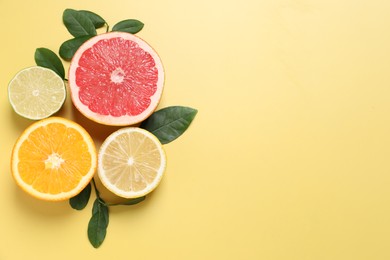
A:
116,78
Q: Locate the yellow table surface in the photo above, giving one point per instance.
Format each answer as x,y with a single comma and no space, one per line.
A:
288,157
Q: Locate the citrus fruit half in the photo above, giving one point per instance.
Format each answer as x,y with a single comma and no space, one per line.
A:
116,78
36,92
54,159
131,162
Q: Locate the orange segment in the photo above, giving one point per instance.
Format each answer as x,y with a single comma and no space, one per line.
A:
54,159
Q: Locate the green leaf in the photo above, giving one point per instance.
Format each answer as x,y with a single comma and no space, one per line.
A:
128,202
169,123
96,19
48,59
79,201
97,226
131,26
69,47
78,23
99,205
133,201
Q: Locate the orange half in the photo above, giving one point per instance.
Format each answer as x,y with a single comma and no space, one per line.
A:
54,159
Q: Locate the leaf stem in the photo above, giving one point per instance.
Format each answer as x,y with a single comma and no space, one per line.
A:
96,190
101,201
108,27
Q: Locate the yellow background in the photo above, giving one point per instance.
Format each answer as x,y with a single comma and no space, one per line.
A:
288,157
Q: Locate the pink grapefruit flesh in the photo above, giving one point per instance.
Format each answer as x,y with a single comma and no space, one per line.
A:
116,78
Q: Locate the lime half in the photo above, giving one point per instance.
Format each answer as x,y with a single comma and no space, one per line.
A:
36,92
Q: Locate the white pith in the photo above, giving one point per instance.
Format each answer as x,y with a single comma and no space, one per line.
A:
54,161
117,75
